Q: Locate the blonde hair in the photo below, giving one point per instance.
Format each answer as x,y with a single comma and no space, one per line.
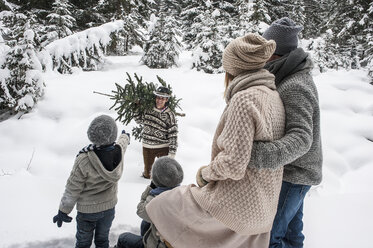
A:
228,78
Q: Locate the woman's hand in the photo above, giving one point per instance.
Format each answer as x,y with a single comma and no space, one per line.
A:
200,181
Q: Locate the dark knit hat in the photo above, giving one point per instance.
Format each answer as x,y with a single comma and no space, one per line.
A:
167,172
284,32
247,53
102,130
162,91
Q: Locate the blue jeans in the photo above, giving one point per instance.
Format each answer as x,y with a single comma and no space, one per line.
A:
288,225
130,240
97,223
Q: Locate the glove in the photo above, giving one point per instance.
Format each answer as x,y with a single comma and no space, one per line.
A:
171,155
129,136
200,181
61,217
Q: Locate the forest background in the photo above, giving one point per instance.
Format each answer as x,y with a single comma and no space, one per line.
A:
338,34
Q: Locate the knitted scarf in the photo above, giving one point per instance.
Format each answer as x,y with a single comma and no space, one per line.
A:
92,147
249,79
289,64
159,190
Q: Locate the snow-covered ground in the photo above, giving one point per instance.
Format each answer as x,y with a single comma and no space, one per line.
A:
38,150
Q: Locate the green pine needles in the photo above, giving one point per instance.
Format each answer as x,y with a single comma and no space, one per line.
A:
136,97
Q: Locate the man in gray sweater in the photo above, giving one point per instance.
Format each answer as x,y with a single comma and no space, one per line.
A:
299,151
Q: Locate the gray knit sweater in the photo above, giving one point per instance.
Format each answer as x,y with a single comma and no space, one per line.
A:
90,186
300,149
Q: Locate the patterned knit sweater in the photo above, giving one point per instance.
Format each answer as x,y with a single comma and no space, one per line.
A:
245,200
90,186
159,129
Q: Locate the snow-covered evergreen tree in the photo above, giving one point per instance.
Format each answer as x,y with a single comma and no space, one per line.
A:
208,51
315,14
260,13
191,20
24,85
348,23
369,41
162,49
60,22
244,13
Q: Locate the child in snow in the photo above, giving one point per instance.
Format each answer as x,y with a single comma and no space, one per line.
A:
93,183
166,174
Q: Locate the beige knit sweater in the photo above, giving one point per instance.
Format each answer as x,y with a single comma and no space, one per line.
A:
245,200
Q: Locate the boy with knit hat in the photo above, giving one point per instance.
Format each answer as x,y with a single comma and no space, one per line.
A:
166,175
299,151
93,183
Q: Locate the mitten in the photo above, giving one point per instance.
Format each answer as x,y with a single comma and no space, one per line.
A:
200,181
61,217
129,136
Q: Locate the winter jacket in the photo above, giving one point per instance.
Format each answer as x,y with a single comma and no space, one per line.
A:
151,238
90,186
159,129
245,200
300,149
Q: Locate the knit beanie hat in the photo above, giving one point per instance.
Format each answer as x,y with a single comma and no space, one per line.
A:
247,53
167,172
284,32
102,130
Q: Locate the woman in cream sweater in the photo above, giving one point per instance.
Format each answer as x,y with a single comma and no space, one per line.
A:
233,206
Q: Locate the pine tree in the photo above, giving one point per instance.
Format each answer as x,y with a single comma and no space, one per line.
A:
368,38
243,21
24,85
260,13
60,22
348,25
208,51
135,98
315,12
191,20
162,49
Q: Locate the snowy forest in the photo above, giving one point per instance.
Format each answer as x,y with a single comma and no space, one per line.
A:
69,35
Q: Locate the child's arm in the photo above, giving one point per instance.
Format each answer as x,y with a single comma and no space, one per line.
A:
145,199
74,186
123,141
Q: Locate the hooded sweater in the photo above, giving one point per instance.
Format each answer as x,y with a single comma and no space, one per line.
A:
243,199
90,186
299,151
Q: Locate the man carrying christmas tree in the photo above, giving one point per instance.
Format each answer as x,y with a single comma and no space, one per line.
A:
159,135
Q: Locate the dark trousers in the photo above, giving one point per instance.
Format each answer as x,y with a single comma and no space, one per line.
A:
288,224
130,240
149,157
97,224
